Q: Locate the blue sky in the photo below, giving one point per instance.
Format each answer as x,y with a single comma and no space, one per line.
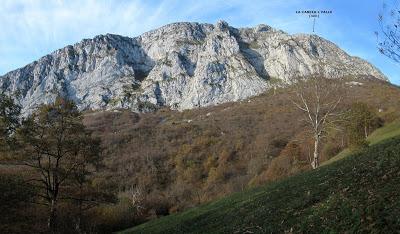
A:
30,29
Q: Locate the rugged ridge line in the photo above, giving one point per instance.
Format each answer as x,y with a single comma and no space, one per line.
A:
180,65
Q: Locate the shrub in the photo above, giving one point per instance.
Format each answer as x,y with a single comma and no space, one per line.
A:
114,217
361,121
331,149
289,161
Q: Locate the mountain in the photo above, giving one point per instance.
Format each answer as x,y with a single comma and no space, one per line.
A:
180,65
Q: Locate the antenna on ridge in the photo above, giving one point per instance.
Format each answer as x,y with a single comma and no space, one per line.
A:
313,26
314,14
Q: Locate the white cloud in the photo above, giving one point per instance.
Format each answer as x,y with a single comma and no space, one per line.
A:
30,29
33,28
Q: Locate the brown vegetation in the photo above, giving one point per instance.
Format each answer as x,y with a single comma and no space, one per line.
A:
181,159
166,161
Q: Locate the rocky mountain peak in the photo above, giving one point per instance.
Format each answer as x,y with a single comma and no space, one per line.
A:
262,28
180,65
222,25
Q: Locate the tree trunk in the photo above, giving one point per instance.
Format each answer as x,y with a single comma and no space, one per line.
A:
315,161
78,224
80,207
79,218
52,217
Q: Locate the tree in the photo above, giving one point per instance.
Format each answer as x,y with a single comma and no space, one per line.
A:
389,35
361,120
78,187
318,99
9,121
56,144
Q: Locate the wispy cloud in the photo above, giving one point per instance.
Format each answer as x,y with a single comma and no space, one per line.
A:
33,28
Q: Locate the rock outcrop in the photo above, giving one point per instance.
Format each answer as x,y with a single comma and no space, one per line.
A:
180,65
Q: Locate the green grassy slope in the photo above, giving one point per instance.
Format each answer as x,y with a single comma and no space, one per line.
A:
386,132
359,193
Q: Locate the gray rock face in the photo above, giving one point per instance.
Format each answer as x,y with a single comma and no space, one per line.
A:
181,65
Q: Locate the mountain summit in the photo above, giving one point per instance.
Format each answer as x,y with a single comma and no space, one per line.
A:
180,65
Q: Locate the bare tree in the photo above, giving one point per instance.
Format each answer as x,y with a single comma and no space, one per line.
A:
318,99
389,34
137,197
55,143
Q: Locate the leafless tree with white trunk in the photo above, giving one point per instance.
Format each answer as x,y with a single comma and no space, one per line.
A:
137,197
318,99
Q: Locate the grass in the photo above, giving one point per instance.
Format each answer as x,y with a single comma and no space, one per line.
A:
388,131
356,194
343,154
